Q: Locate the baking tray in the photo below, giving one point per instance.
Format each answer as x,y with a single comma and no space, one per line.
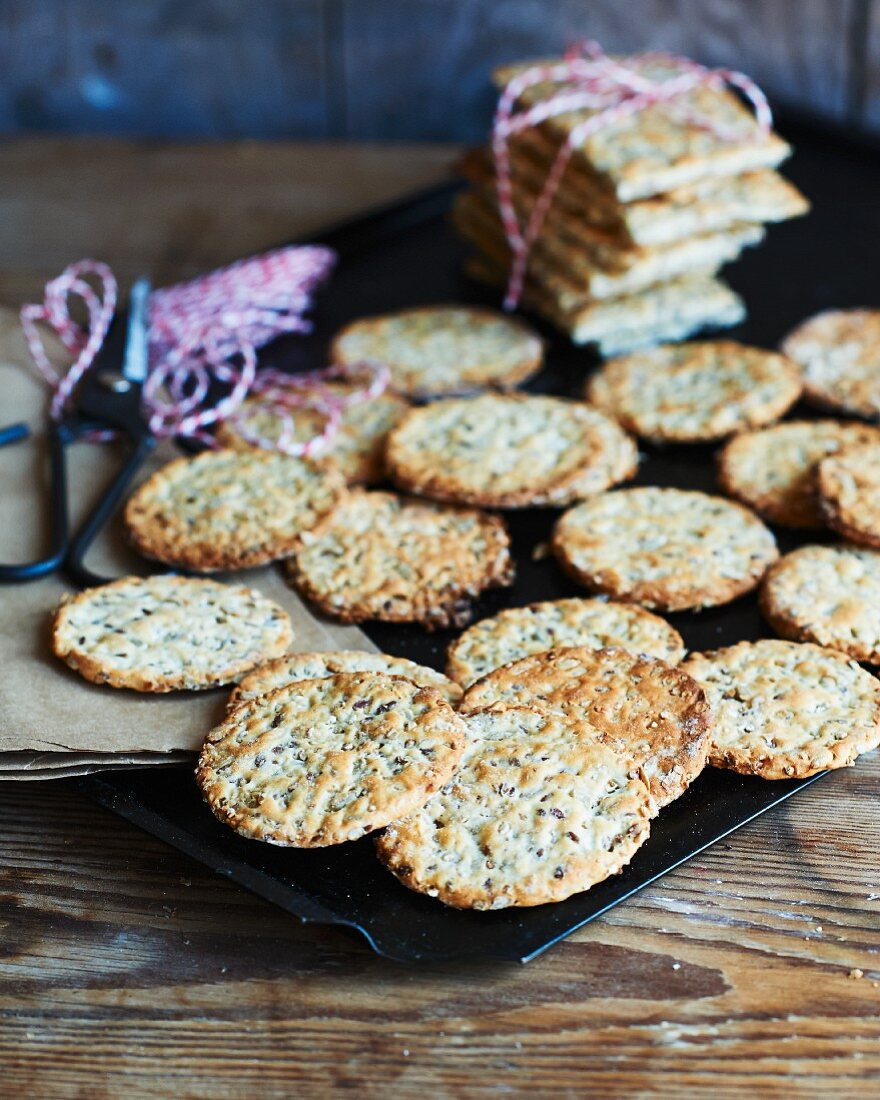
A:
407,255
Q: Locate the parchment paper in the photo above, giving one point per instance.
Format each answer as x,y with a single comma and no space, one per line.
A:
44,706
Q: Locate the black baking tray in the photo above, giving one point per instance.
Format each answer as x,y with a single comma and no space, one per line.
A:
407,255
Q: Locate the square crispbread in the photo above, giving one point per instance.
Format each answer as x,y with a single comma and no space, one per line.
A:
661,147
573,246
712,206
568,273
661,313
534,149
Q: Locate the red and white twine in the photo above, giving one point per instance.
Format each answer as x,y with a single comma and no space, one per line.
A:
590,80
203,333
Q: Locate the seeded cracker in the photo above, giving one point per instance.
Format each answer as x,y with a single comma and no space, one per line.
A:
712,205
664,548
229,509
839,354
697,392
313,666
537,812
158,634
521,631
829,595
785,710
659,149
774,470
439,350
382,556
357,447
642,707
324,761
849,493
509,451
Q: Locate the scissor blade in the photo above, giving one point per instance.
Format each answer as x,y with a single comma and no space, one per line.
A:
135,359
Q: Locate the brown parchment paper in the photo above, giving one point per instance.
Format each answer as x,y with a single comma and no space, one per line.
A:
44,706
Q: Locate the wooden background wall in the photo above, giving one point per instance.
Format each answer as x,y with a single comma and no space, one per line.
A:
414,69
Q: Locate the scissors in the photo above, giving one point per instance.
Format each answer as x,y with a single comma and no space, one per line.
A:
107,398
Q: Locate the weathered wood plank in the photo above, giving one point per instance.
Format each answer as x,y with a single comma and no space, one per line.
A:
435,65
126,964
203,68
172,211
370,68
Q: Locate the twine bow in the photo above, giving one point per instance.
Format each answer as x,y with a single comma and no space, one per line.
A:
201,333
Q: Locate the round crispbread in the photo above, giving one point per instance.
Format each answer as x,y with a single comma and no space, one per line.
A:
509,451
838,352
521,631
159,634
829,595
324,761
646,709
229,509
786,710
446,349
668,549
696,392
773,471
538,811
849,493
314,666
356,448
382,556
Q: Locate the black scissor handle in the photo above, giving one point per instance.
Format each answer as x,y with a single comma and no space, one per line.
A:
59,436
66,552
74,559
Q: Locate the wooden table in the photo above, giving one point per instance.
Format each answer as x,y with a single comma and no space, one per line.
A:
127,969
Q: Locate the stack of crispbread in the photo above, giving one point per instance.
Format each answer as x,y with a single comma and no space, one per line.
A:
649,208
